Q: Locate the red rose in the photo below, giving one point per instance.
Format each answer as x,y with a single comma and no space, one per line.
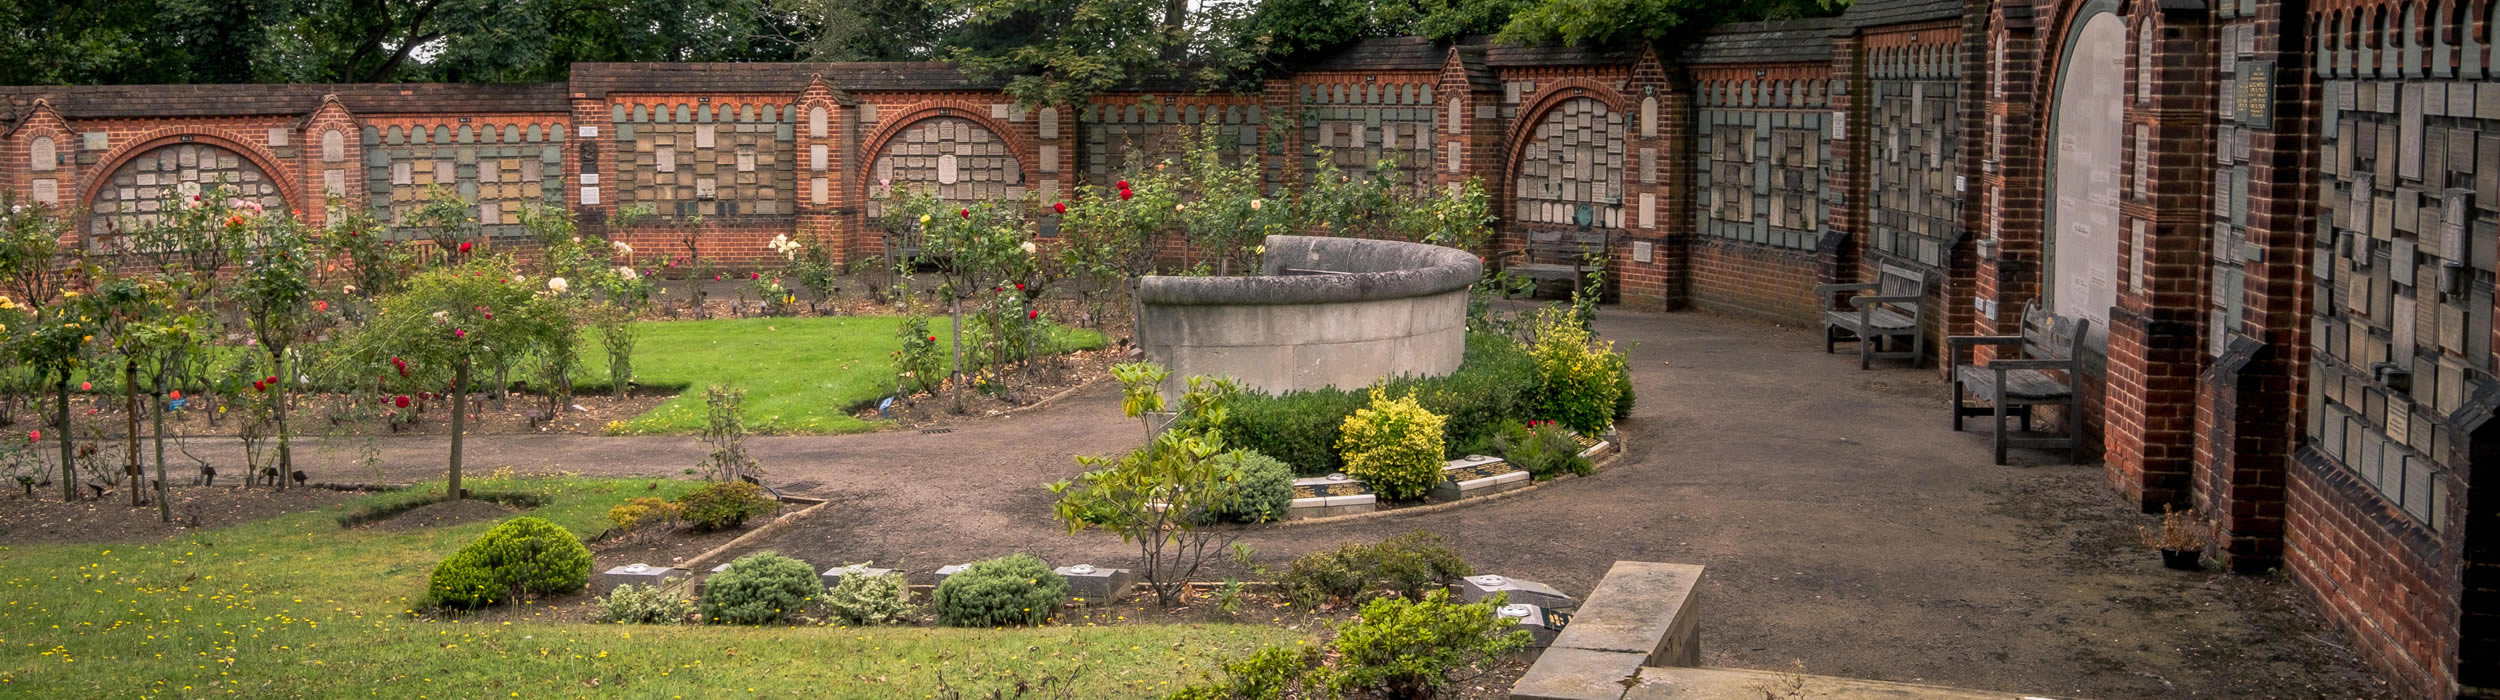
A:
273,381
933,339
34,435
400,401
1019,286
1035,313
258,387
464,247
1124,184
1061,207
755,275
967,213
425,395
1124,195
86,386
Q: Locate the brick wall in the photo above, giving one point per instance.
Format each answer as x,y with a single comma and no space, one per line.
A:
1753,280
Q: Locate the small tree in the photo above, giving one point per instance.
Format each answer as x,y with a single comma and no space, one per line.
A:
979,245
55,339
1161,495
449,321
276,293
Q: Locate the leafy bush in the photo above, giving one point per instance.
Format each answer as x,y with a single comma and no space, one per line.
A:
1407,648
521,556
1271,673
1262,487
725,506
1014,590
1495,385
655,604
1622,368
1543,448
1576,374
860,599
637,512
1411,564
759,588
1394,446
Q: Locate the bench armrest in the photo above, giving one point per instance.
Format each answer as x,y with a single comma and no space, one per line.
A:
1863,300
2003,365
1969,340
1500,256
1822,289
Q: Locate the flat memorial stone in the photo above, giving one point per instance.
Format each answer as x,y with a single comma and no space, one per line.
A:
950,570
1334,494
639,574
1540,623
1089,583
834,575
1476,588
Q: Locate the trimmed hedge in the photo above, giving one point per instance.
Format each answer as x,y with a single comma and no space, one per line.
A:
522,556
1263,491
1016,590
1495,385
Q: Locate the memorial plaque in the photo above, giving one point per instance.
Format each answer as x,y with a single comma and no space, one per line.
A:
2409,133
1328,486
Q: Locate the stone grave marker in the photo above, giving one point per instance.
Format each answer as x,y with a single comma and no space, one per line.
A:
1334,494
1476,588
1094,584
1540,623
950,570
1477,475
834,575
640,574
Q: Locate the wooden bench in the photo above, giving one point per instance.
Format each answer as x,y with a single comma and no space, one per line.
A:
1891,312
2041,367
1560,255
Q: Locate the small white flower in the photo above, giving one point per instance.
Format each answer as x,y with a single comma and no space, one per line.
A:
622,248
1254,204
557,285
1029,248
442,317
627,273
517,279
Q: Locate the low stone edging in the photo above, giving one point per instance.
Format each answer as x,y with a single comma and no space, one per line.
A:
1608,452
778,522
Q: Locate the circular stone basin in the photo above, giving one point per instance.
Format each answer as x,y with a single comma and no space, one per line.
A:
1341,312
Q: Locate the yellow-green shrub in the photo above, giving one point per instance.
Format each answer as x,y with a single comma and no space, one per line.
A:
1576,374
637,512
1394,446
523,555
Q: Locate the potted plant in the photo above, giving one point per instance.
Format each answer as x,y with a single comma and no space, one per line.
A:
2181,540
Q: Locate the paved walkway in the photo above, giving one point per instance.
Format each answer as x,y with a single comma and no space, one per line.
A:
1843,523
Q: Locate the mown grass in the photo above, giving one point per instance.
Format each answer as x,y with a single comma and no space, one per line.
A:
295,606
801,375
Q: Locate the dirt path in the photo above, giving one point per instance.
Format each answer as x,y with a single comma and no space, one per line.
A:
1844,525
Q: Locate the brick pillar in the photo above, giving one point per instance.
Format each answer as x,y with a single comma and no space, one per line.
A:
2155,353
1678,203
2269,391
590,159
1960,283
2014,163
316,162
1645,269
821,172
1281,100
1840,253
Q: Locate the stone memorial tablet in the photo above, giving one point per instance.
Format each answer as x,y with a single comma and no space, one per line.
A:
1092,584
1542,625
636,574
1476,588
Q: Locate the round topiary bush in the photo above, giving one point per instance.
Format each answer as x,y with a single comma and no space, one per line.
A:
759,588
1014,590
1262,487
1394,446
522,556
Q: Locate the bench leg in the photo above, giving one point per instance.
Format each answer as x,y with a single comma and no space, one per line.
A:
1866,350
2074,429
1830,337
2000,429
1957,402
1918,348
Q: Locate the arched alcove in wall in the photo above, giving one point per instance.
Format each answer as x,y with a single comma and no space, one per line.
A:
2086,154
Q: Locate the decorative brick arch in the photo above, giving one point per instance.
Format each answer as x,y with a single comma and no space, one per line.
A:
113,160
1533,113
1026,160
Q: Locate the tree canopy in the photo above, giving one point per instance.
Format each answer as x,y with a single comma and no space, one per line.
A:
1053,51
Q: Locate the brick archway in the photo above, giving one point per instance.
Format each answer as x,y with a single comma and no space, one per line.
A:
1533,110
288,190
1026,160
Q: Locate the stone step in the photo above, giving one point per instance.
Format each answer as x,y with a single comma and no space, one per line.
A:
1746,684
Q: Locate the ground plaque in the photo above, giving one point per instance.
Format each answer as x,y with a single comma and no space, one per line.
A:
1334,494
1475,588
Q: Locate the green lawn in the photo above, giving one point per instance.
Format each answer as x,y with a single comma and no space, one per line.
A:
801,375
296,606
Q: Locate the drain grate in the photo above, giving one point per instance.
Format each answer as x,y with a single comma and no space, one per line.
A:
936,431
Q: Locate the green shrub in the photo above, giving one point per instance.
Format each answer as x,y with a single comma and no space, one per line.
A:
1576,374
1271,673
1394,446
1542,448
1496,384
1262,488
759,588
637,512
725,506
522,556
655,604
1014,590
1407,648
1622,367
862,600
1412,564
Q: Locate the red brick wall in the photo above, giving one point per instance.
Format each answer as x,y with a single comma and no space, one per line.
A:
1753,280
2391,587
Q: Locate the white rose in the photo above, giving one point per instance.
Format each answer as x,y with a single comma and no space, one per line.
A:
1029,248
627,273
557,285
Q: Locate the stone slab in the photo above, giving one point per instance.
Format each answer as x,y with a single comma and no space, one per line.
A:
1540,623
1093,584
1748,684
1475,588
834,575
1577,674
636,574
1647,608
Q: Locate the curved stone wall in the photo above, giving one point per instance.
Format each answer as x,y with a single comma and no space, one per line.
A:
1339,312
